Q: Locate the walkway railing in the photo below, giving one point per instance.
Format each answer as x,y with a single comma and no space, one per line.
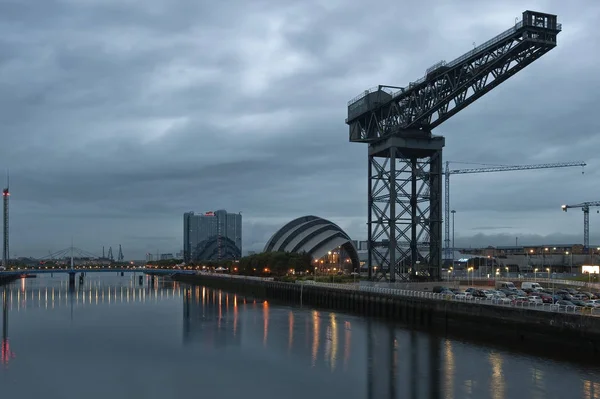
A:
542,280
504,302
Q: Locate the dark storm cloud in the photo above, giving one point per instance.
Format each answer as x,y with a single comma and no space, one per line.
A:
118,116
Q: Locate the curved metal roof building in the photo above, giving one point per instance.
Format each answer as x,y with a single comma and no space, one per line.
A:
312,235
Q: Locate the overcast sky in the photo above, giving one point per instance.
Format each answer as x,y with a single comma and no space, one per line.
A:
117,116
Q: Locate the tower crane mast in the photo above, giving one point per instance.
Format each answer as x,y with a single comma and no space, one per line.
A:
585,207
404,157
497,168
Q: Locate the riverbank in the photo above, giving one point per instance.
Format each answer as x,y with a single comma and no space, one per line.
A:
565,334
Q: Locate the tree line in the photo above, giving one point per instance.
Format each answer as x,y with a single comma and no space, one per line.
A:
265,263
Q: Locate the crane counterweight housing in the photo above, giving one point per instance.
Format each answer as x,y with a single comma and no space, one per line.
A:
405,159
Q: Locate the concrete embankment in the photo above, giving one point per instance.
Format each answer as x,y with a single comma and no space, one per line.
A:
546,333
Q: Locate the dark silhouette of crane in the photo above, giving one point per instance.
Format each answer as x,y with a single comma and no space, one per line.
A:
585,207
405,158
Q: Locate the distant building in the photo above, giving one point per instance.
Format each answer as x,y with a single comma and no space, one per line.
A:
250,253
166,256
149,257
212,236
321,239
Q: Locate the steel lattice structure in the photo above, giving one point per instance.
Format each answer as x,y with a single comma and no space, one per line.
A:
5,249
496,168
585,207
405,189
120,257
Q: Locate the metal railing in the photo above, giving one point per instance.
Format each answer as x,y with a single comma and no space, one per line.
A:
542,280
493,41
367,92
235,276
487,44
504,302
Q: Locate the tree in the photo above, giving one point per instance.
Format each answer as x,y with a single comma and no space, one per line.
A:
274,263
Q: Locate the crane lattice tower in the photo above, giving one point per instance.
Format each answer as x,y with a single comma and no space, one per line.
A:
5,248
405,159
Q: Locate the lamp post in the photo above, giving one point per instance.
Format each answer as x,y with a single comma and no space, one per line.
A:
535,274
453,247
543,257
548,270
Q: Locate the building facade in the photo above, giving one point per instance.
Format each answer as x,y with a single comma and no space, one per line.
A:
212,236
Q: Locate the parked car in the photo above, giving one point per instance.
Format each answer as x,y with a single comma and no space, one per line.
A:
594,303
463,295
534,299
520,300
531,286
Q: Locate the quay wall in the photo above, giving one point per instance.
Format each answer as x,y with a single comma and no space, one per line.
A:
571,334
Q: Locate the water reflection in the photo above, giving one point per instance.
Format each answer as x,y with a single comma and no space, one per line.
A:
212,318
391,361
219,343
205,318
54,292
6,354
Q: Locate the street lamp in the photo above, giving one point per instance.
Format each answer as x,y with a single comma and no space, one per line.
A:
453,247
535,274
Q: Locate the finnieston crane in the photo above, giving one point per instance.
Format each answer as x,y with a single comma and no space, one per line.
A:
495,168
585,207
404,219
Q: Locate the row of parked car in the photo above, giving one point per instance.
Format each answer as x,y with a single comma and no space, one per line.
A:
529,293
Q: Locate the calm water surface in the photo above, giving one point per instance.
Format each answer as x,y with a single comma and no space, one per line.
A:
112,338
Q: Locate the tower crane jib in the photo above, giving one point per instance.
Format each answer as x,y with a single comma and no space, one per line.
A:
498,168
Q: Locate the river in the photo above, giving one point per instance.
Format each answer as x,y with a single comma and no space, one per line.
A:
114,338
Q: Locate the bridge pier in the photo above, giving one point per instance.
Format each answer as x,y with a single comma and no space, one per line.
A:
71,280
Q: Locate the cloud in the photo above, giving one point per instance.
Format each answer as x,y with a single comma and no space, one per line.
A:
117,117
491,228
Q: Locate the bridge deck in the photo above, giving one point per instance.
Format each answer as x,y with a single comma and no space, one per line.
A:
95,270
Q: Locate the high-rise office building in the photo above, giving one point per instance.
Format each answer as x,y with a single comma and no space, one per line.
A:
212,236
